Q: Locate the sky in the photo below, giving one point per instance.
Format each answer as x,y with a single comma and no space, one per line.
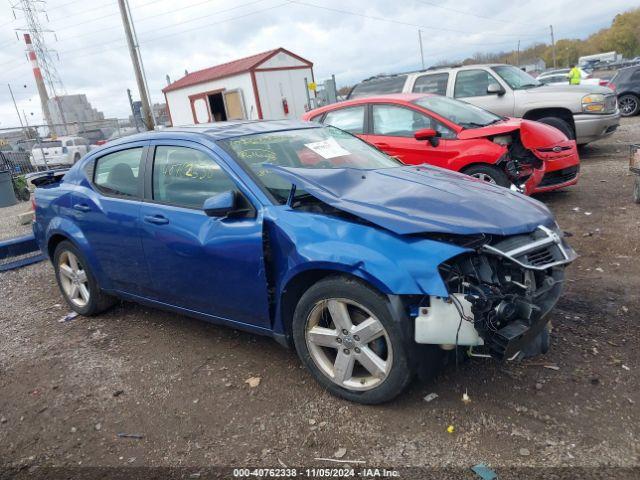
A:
352,39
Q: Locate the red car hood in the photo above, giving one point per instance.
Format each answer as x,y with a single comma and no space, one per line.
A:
534,135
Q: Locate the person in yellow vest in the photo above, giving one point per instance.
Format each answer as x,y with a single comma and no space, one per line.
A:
574,75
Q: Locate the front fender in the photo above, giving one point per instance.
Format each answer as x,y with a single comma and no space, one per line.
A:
66,228
395,264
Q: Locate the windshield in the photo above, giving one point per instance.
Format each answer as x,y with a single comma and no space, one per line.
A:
460,113
326,147
516,78
378,86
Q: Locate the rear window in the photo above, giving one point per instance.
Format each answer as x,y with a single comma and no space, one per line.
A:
52,144
378,86
434,83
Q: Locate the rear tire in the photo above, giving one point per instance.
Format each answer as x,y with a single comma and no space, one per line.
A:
365,365
489,174
629,105
561,125
77,283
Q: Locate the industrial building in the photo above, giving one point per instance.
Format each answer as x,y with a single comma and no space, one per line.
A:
76,109
269,85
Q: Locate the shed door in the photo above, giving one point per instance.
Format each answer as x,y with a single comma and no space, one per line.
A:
200,108
234,105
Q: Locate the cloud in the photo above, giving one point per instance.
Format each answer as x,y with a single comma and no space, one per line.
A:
195,34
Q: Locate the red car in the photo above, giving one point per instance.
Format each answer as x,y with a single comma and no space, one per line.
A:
425,128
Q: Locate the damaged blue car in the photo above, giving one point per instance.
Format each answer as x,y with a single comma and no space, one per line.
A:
371,269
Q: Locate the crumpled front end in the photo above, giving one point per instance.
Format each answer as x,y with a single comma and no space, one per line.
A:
499,294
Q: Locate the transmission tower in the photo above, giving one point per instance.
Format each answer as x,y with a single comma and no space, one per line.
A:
41,57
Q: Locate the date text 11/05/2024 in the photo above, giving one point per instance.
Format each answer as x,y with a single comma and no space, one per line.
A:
345,472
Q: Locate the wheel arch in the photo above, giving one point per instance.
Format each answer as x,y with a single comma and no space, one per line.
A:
561,113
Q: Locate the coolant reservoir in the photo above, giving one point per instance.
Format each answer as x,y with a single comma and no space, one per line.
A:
438,324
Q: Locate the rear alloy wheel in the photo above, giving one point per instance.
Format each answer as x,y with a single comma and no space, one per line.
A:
344,334
489,174
629,105
77,283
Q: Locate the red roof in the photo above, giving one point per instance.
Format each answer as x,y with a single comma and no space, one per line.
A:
227,69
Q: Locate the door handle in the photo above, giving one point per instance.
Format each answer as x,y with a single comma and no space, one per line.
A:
156,219
82,207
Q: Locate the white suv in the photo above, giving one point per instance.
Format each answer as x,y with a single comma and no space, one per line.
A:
59,151
583,112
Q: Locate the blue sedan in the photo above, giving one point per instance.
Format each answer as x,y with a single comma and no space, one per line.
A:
371,269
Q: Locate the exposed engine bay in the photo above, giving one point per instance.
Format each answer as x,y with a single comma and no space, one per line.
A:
518,161
503,289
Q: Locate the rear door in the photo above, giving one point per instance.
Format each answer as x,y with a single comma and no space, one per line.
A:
472,86
209,265
392,128
107,212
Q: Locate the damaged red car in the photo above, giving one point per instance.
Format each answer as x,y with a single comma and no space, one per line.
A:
440,131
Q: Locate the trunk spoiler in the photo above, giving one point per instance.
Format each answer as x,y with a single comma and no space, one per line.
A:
48,177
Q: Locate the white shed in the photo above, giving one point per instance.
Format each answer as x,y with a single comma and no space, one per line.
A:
269,85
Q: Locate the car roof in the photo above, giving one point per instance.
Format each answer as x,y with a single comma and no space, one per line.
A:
218,130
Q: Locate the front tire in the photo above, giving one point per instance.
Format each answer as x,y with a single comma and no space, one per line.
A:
345,334
561,125
489,174
629,105
77,283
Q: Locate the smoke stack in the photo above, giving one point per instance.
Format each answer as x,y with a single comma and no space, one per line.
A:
42,89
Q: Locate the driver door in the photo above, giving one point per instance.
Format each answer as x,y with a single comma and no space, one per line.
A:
212,266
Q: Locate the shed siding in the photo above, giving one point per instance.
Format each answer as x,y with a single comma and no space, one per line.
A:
180,106
281,60
275,84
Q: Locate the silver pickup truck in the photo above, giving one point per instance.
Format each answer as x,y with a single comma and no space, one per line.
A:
583,112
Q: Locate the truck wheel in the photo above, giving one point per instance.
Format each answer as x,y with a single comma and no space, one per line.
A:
629,105
77,283
345,335
636,190
561,125
489,174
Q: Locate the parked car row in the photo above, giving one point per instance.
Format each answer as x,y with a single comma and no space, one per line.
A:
582,112
626,84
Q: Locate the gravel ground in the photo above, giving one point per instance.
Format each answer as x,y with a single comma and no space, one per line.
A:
9,224
69,388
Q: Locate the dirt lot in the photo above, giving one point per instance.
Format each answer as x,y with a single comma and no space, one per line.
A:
67,389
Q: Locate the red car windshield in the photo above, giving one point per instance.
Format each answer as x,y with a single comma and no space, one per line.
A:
460,113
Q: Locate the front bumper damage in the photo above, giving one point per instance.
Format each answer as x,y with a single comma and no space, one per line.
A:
500,294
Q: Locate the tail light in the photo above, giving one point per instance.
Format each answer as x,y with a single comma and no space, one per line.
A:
33,205
611,86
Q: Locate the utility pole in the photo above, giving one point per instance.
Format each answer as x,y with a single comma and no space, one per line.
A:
553,46
146,109
133,112
421,51
518,55
144,73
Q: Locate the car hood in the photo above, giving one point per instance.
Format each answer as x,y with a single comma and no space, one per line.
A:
566,88
422,199
533,135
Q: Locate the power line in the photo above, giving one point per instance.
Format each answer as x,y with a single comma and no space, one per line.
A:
399,22
493,19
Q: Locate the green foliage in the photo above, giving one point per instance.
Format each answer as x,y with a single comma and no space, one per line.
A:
20,183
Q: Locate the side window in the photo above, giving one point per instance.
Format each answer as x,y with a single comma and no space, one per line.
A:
472,83
398,121
69,143
348,119
186,177
434,83
117,173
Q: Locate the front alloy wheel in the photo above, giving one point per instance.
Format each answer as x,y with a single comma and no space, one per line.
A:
347,336
349,344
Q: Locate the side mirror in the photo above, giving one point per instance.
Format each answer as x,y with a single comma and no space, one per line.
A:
495,89
228,204
220,205
429,134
